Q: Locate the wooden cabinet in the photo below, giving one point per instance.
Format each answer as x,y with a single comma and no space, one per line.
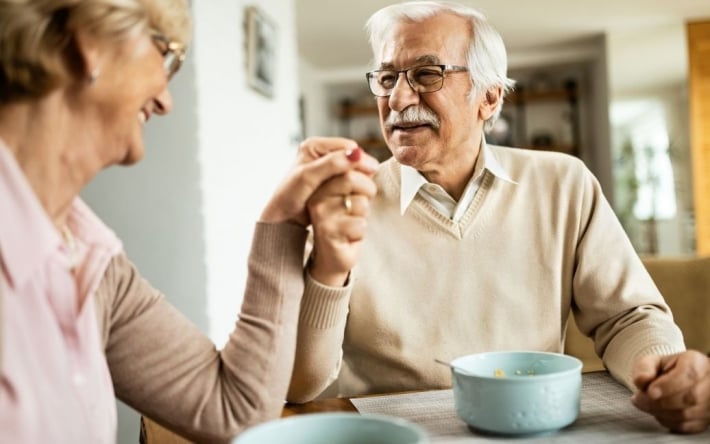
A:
560,132
542,112
367,134
699,97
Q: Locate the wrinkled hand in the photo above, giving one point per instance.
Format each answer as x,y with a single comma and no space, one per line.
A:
319,160
338,212
675,389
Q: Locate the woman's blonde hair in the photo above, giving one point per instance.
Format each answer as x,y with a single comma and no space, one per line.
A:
37,51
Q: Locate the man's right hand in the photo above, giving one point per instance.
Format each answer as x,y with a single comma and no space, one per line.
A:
675,389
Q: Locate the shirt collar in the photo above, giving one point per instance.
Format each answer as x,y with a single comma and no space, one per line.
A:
412,180
91,230
490,162
27,235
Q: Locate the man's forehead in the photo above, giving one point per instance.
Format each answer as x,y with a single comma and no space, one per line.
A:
435,40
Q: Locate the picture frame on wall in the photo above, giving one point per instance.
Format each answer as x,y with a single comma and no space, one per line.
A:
261,33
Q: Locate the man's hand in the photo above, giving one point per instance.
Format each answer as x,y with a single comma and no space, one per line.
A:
675,389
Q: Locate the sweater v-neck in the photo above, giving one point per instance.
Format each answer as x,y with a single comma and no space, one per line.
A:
425,210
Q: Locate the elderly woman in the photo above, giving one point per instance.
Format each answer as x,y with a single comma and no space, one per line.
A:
78,81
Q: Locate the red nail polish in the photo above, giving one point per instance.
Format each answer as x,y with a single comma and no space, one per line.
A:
354,154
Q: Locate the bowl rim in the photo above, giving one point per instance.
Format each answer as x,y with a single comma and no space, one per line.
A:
422,436
519,379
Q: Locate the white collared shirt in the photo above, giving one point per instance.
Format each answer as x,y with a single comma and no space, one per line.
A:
413,182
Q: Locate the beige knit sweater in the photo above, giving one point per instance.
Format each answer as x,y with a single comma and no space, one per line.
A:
504,278
164,367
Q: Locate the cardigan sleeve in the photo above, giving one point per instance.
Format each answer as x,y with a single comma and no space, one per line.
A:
615,300
164,367
321,330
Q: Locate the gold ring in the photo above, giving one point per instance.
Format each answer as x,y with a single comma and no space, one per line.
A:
347,203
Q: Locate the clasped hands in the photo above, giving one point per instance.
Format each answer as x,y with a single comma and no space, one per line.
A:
675,389
330,188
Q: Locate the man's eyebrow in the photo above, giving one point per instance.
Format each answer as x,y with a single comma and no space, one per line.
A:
432,59
428,59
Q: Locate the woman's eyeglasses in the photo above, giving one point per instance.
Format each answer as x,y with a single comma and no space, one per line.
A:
173,53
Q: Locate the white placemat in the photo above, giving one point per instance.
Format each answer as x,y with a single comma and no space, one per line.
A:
607,415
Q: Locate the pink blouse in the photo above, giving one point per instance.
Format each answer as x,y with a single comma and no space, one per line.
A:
55,384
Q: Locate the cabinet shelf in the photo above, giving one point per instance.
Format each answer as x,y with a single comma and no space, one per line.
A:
349,110
567,149
375,147
522,97
371,144
370,139
532,126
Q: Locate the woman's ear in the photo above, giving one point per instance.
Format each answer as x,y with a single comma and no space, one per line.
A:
490,102
88,52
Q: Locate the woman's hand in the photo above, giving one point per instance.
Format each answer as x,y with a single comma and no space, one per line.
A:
675,389
338,211
320,159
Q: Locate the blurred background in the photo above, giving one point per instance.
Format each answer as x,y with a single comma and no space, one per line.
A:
607,81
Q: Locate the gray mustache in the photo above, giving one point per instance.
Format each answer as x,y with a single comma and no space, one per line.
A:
418,115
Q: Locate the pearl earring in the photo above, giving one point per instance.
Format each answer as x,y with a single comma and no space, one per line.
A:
93,75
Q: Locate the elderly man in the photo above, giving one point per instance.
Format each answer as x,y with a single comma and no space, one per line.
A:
470,247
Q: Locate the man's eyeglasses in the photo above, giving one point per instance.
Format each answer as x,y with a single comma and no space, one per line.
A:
422,79
173,53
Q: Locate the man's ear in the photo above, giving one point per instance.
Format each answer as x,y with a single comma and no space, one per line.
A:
490,102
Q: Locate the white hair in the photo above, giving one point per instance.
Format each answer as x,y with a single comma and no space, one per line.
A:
486,58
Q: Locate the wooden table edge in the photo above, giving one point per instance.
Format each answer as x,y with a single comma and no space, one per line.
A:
319,406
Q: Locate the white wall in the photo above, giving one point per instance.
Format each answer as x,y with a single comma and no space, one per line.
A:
316,109
186,213
635,52
247,142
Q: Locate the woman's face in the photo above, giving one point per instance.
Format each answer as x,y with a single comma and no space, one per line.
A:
130,87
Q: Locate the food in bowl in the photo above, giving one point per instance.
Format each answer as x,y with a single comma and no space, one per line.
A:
517,392
335,428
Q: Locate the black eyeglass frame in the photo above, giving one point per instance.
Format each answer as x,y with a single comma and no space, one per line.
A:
173,52
417,87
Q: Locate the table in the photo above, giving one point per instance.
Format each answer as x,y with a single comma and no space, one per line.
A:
607,415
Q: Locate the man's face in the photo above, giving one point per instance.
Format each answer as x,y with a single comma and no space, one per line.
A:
419,141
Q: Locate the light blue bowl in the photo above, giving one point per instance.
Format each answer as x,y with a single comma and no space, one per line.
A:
335,428
517,392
